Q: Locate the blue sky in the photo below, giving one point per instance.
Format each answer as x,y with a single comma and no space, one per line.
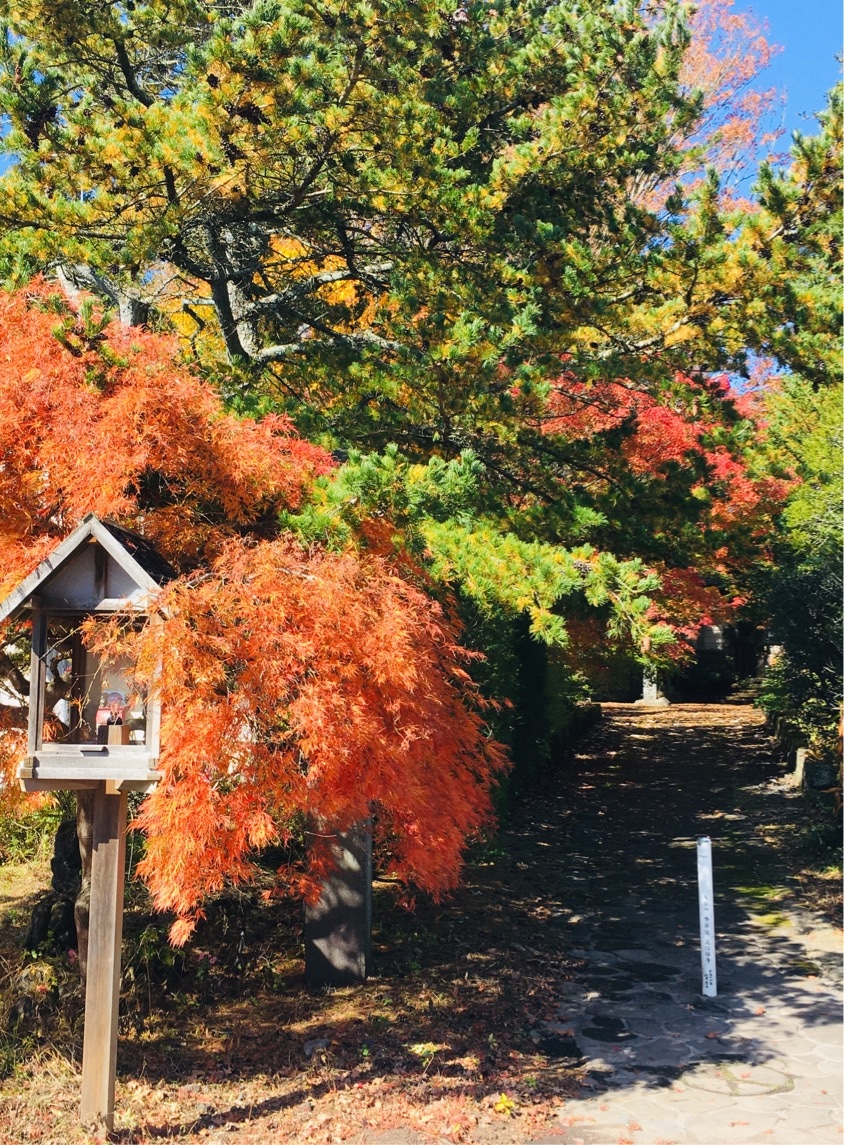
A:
810,35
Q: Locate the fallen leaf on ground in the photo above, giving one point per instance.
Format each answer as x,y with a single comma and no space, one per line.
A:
504,1104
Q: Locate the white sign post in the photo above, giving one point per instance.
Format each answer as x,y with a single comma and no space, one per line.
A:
706,899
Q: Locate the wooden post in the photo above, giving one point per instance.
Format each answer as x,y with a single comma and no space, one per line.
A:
38,677
102,992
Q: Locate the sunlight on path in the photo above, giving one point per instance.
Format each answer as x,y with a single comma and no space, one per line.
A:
761,1062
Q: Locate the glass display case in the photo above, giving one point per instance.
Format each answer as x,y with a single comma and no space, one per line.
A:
89,719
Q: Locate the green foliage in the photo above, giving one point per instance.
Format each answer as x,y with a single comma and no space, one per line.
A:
794,266
392,218
451,242
386,486
151,957
16,1050
16,266
805,693
803,586
27,834
436,511
791,255
804,436
513,595
819,842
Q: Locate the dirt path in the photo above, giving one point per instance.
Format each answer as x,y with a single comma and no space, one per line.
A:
646,784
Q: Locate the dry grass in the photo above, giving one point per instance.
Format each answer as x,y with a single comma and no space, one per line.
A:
241,1050
20,885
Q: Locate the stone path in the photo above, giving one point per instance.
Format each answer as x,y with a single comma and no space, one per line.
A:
762,1061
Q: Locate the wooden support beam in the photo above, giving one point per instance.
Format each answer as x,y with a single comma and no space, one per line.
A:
102,990
113,786
38,678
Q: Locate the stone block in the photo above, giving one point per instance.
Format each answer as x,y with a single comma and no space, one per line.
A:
338,928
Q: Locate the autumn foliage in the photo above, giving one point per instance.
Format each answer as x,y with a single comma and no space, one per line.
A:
307,686
298,685
101,419
686,426
727,55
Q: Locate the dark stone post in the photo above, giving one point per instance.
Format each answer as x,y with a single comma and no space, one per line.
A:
338,928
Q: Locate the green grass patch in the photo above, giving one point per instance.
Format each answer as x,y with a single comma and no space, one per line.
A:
763,894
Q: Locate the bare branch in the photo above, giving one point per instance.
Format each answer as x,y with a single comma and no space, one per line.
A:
132,85
282,353
76,277
277,353
312,283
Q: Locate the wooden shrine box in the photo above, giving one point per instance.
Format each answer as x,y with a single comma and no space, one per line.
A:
101,727
92,727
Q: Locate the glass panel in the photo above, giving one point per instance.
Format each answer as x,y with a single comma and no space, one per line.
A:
120,705
61,711
86,701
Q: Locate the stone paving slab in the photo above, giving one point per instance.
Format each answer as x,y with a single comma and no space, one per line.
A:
761,1063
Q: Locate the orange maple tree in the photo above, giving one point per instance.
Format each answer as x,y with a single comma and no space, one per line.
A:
297,684
727,55
661,431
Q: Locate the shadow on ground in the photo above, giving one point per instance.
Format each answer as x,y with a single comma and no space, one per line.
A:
646,785
574,942
568,963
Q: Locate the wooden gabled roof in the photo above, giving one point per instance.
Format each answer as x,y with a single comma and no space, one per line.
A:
132,552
